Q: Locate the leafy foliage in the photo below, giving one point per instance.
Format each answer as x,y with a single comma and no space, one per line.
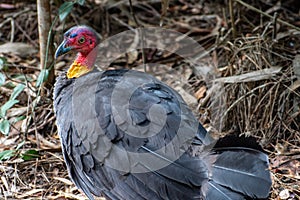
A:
66,8
2,67
17,90
2,79
30,154
4,122
27,155
7,154
2,63
43,76
4,126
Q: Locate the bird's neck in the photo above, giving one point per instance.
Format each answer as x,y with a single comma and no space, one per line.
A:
83,64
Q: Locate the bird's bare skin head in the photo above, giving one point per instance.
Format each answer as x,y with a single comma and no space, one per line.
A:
83,40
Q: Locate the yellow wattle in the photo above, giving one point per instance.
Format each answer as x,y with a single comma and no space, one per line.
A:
77,69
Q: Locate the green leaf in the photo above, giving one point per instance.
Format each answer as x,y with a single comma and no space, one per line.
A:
21,77
17,90
43,76
18,119
80,2
65,9
4,126
20,145
2,63
10,85
7,106
2,79
7,154
30,154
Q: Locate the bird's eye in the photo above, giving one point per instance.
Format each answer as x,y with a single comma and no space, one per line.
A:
81,40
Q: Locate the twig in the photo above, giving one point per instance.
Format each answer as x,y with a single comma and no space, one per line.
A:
232,18
141,33
132,13
41,125
25,34
274,34
35,172
10,19
244,96
122,23
267,15
46,50
38,144
12,23
14,15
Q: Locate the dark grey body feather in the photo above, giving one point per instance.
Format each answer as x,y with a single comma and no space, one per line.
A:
89,144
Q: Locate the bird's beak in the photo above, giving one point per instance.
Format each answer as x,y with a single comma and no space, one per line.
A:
62,49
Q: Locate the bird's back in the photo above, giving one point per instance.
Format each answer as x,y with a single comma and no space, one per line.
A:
126,135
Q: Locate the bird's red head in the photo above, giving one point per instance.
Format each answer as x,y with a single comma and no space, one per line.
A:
83,40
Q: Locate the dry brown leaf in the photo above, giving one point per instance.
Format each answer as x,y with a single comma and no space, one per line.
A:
200,92
21,49
16,128
30,193
251,76
64,180
295,85
13,112
7,141
132,56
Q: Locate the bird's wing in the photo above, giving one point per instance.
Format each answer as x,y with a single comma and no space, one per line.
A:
126,134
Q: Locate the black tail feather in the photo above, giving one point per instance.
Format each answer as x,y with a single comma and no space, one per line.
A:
240,171
243,172
212,190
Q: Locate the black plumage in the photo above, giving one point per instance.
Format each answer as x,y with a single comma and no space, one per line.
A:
92,129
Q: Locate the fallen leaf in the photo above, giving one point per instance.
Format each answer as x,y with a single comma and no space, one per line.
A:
296,66
200,93
132,56
251,76
30,193
64,180
19,48
284,194
296,85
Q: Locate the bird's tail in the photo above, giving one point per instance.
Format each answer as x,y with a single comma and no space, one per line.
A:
240,171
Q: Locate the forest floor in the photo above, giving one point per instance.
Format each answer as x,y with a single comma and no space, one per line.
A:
247,84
